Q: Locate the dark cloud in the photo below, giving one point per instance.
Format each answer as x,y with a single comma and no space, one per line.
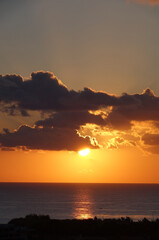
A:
151,139
89,99
42,92
67,111
151,143
45,139
72,120
145,107
45,92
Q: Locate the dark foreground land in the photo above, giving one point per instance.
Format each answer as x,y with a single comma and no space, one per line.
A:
34,227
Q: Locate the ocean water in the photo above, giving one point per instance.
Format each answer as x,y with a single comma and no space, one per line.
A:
67,201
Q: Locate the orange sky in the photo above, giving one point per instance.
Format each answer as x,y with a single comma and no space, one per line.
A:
118,166
45,135
76,75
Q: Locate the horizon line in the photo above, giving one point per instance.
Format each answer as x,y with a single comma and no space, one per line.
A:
83,182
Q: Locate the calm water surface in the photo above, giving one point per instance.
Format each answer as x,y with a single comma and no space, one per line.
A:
67,201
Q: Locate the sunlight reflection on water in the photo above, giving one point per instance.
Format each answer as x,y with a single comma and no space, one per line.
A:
80,201
82,205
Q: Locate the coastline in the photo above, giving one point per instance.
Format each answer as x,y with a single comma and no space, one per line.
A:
42,227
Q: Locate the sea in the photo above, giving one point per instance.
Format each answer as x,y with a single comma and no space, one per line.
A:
80,201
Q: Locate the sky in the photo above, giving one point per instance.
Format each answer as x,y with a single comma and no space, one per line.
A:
75,75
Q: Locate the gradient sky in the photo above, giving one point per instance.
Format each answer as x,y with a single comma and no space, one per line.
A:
104,45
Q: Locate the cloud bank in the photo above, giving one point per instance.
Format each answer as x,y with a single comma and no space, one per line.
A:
68,110
43,91
45,139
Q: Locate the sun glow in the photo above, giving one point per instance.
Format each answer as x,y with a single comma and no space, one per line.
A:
84,152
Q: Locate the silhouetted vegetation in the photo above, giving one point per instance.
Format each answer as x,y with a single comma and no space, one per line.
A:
42,227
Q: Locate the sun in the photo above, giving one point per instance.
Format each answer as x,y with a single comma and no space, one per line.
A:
84,152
